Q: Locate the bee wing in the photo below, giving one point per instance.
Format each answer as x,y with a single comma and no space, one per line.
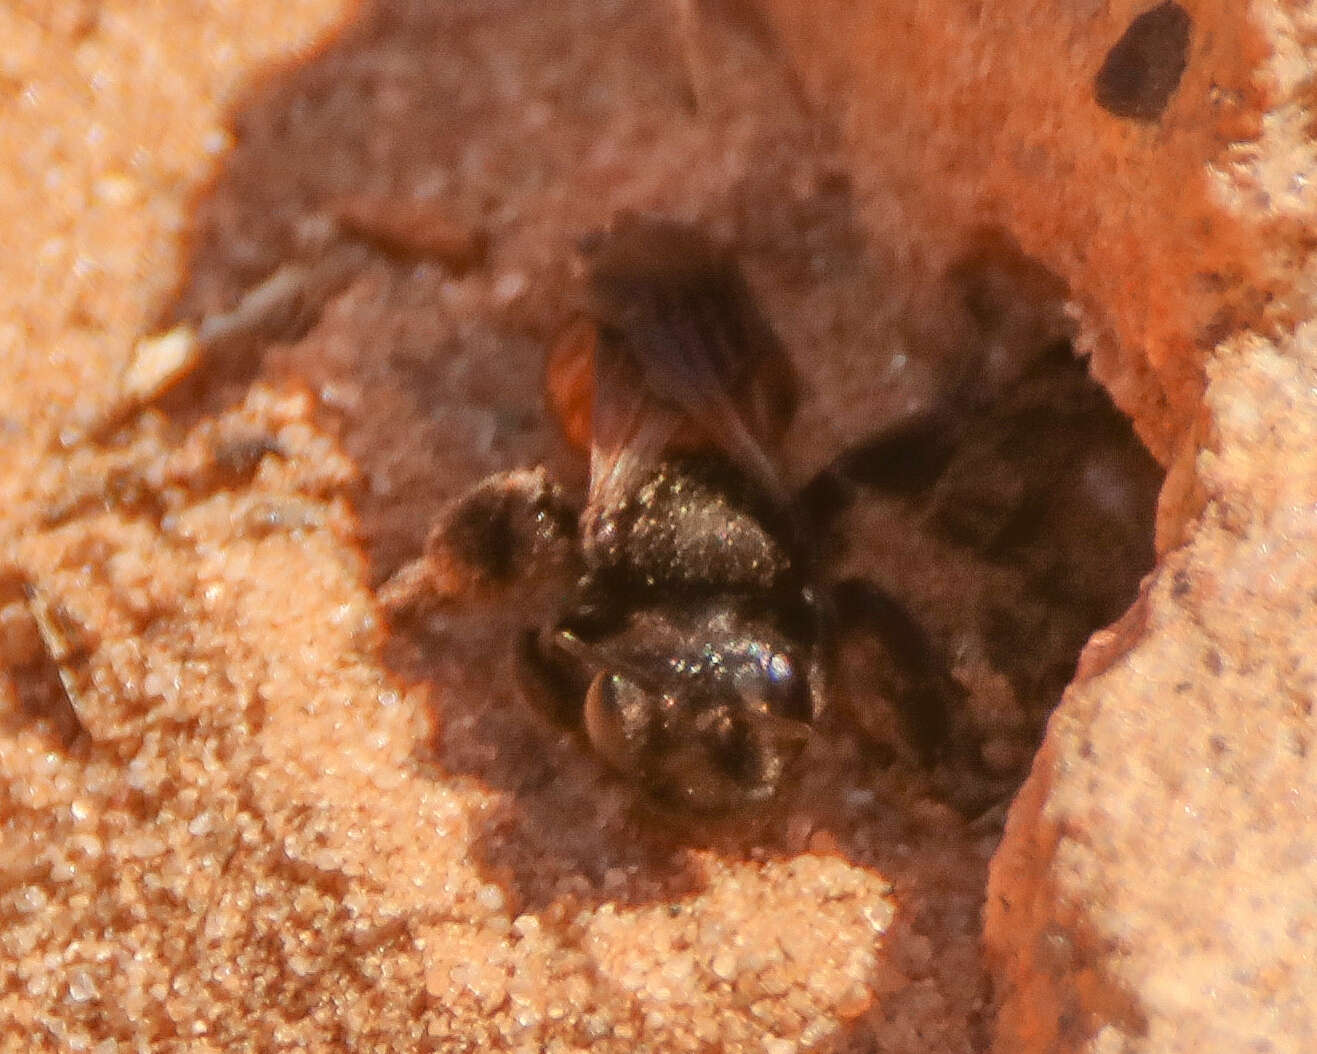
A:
684,357
630,428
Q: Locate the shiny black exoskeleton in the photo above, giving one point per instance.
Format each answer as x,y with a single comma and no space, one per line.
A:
689,650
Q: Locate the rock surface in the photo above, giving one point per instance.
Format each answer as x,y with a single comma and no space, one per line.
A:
1154,888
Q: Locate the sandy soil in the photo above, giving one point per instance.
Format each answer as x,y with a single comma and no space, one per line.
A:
239,812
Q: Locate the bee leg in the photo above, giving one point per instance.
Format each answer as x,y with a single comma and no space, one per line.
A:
903,461
900,663
510,538
882,647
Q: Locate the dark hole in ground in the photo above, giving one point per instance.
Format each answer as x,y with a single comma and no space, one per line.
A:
1030,528
1143,68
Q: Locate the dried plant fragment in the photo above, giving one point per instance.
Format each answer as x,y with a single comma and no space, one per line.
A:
42,651
412,229
283,306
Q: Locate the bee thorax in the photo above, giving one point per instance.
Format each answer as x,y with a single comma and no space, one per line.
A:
694,522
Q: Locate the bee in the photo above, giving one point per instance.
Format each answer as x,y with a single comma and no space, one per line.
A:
687,623
694,621
673,621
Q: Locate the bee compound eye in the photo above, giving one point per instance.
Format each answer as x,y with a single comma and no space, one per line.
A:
617,718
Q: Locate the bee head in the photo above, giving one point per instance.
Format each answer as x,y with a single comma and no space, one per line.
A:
706,714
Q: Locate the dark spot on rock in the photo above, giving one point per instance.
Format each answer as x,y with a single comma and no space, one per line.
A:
1143,68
